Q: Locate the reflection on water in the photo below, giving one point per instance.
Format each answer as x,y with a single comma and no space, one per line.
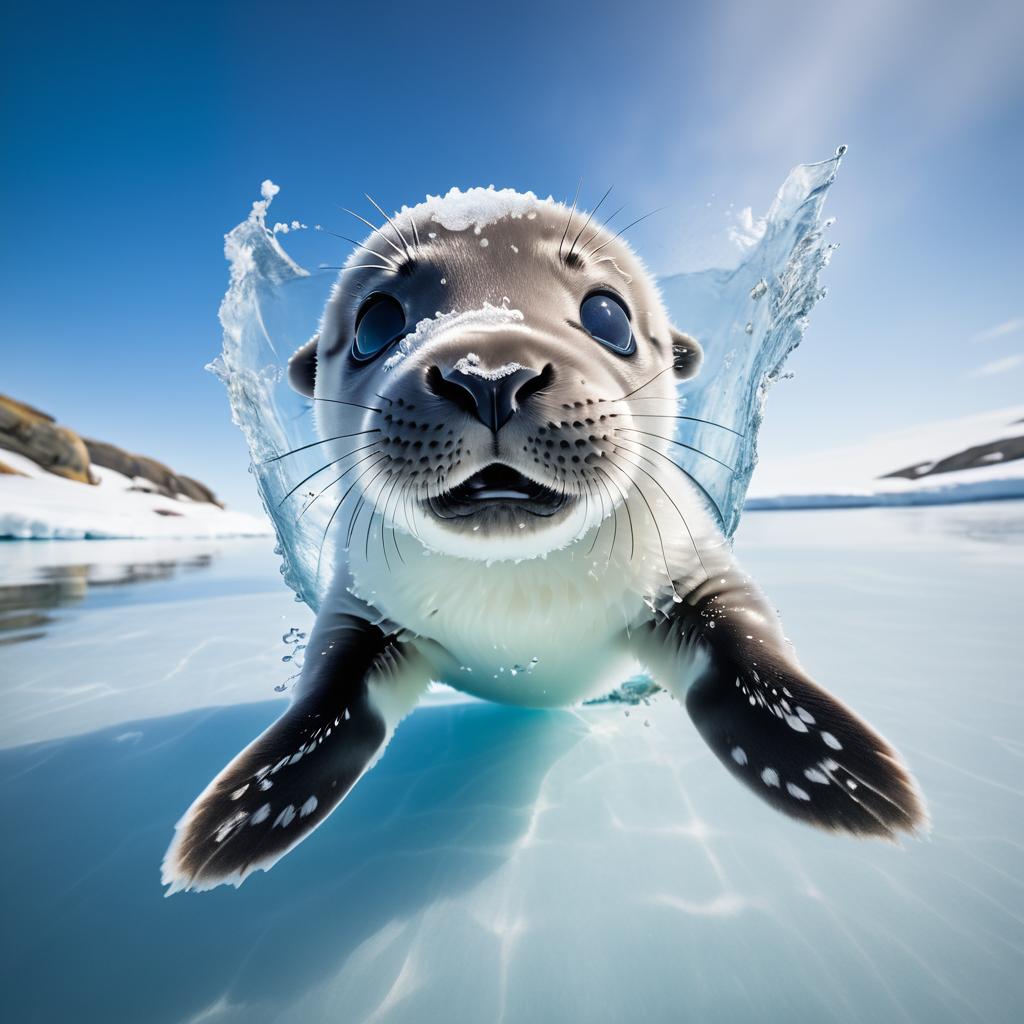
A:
416,834
23,605
522,867
989,527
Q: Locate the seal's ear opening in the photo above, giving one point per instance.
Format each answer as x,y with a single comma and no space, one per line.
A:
687,355
302,368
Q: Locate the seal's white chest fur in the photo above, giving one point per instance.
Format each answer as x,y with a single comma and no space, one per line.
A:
540,632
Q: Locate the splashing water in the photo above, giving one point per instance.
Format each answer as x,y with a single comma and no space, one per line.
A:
748,320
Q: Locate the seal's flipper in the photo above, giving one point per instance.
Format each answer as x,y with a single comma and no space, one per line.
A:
359,684
802,751
795,745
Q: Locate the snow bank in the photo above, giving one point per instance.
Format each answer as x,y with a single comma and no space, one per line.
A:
40,505
852,476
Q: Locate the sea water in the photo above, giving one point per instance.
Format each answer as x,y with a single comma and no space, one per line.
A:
507,865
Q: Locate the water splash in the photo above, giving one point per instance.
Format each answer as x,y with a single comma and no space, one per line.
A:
748,320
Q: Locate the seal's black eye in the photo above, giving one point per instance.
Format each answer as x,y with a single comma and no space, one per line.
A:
605,318
380,321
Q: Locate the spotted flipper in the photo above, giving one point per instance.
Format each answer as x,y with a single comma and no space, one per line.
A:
792,743
358,683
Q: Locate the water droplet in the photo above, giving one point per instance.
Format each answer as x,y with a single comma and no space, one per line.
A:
749,329
759,289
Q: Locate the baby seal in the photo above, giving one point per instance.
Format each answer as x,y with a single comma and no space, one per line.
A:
508,521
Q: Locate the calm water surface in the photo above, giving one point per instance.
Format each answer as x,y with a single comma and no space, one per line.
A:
504,865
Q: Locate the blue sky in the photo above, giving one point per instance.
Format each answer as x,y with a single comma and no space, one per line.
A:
134,137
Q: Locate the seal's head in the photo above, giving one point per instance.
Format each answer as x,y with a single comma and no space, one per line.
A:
489,342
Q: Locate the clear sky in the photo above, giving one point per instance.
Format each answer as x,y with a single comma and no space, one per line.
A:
134,136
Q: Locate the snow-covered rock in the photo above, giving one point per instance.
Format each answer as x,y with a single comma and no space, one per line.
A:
971,458
40,505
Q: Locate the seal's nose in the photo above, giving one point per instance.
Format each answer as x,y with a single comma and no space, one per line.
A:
490,395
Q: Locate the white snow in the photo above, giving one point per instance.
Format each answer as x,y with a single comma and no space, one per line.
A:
40,505
849,476
478,208
470,365
430,327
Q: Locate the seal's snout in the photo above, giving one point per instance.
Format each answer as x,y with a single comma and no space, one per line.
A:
491,394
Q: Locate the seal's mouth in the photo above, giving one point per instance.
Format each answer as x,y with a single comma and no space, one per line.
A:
498,486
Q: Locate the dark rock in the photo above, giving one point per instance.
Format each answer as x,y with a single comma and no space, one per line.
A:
995,452
37,436
197,491
165,481
109,456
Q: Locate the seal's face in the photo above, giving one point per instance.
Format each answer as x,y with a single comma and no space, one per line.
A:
492,366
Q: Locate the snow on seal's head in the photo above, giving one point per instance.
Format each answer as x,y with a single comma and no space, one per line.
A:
481,348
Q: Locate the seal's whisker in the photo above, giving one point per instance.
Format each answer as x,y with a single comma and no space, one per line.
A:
615,519
352,523
372,502
409,498
355,405
415,232
384,521
313,444
629,394
361,245
433,507
625,505
622,231
682,469
657,482
326,465
586,502
336,480
394,517
600,525
337,508
657,526
681,444
670,415
374,512
376,230
568,220
398,230
601,227
403,502
359,266
569,255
